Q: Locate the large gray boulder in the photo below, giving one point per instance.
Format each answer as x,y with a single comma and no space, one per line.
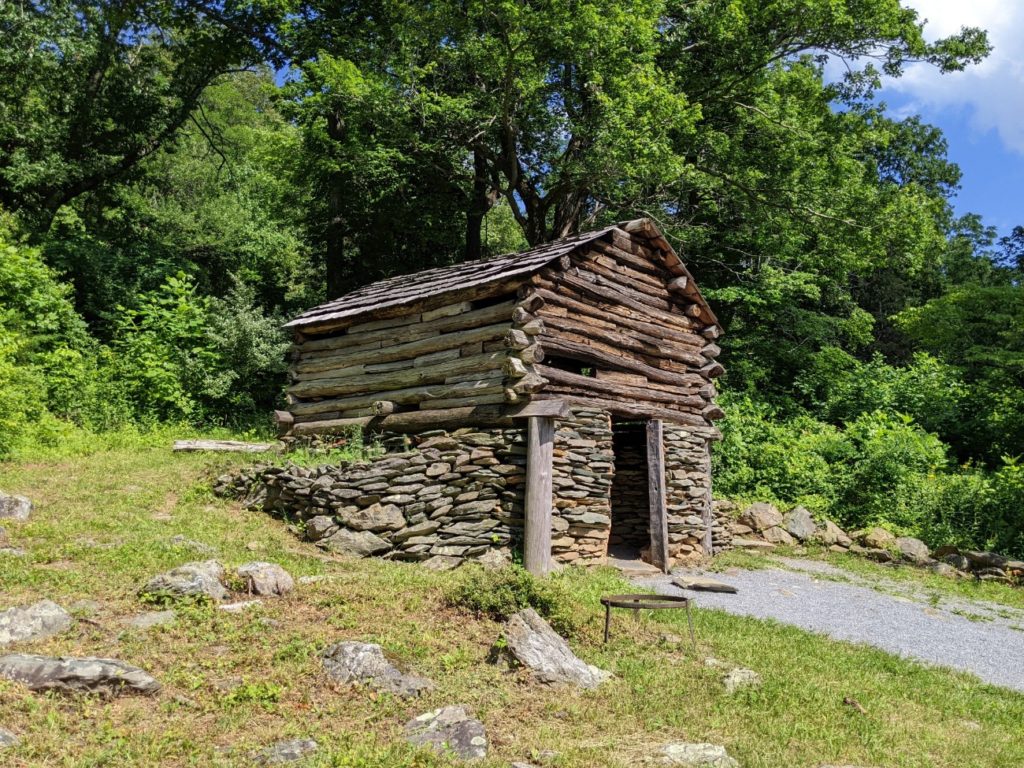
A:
14,507
191,580
876,538
914,550
265,579
702,755
778,535
831,535
365,663
33,622
761,516
535,645
285,752
449,730
800,524
355,543
376,517
76,675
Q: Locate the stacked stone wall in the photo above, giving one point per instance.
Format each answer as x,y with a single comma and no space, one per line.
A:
631,503
688,490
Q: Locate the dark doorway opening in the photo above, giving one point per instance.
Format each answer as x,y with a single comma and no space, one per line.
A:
630,535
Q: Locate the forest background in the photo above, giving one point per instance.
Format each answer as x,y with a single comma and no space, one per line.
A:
177,177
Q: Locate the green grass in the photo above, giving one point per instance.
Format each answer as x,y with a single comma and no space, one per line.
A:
236,682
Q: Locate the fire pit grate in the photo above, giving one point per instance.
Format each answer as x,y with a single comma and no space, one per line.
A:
647,603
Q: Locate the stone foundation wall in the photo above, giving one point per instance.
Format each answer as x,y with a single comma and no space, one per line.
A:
631,502
451,496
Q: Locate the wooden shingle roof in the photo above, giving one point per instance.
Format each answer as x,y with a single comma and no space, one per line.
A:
386,296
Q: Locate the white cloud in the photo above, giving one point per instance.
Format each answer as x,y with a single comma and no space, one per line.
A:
991,93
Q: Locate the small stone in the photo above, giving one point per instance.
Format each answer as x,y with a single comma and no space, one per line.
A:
944,569
240,607
831,534
697,756
761,516
7,739
76,675
800,524
14,507
876,538
285,752
33,622
151,619
267,579
191,580
365,663
740,678
449,730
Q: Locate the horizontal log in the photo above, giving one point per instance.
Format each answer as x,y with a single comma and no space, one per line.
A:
532,354
405,396
642,261
602,387
627,288
530,383
514,368
651,350
712,370
476,318
713,412
382,407
320,362
428,374
712,332
554,408
516,339
711,351
678,284
640,410
223,446
487,396
586,353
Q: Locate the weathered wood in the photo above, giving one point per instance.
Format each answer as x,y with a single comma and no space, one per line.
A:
285,421
530,383
477,318
711,351
382,407
633,379
712,332
428,374
514,368
532,354
533,328
539,463
649,349
678,284
310,364
516,339
408,395
643,293
712,370
602,387
713,412
486,396
640,410
413,421
223,446
587,353
555,408
656,493
693,310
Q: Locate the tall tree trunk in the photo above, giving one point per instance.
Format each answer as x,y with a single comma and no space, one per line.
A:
335,236
479,204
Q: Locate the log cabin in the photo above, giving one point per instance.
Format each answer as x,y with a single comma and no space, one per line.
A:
589,363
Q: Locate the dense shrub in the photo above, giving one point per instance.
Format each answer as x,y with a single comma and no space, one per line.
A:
499,593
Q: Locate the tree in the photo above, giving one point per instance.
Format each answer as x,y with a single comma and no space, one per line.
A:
89,89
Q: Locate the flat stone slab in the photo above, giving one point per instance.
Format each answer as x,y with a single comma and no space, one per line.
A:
14,507
535,645
285,752
449,730
33,622
77,675
751,544
703,584
365,664
702,755
7,739
240,607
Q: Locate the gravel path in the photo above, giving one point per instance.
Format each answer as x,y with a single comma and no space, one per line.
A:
979,637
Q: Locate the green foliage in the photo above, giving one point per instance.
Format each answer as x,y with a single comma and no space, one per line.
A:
499,593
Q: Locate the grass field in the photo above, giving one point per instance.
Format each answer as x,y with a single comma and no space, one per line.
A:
234,683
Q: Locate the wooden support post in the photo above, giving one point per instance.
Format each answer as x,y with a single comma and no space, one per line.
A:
539,458
656,491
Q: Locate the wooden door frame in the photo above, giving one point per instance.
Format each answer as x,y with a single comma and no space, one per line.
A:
657,494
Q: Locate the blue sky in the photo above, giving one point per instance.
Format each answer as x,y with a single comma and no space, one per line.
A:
981,110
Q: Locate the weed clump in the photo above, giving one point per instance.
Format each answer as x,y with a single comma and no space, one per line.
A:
499,593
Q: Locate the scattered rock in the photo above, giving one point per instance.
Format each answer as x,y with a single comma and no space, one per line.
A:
240,607
740,678
761,516
151,619
800,524
365,663
778,535
14,507
448,730
180,540
442,563
875,538
986,559
320,527
704,755
914,550
33,622
495,559
13,551
7,739
957,561
285,752
535,645
703,584
191,580
261,578
356,543
831,535
77,675
945,549
751,544
85,607
993,574
944,569
878,555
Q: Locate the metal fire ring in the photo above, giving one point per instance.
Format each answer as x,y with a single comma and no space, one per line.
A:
646,602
